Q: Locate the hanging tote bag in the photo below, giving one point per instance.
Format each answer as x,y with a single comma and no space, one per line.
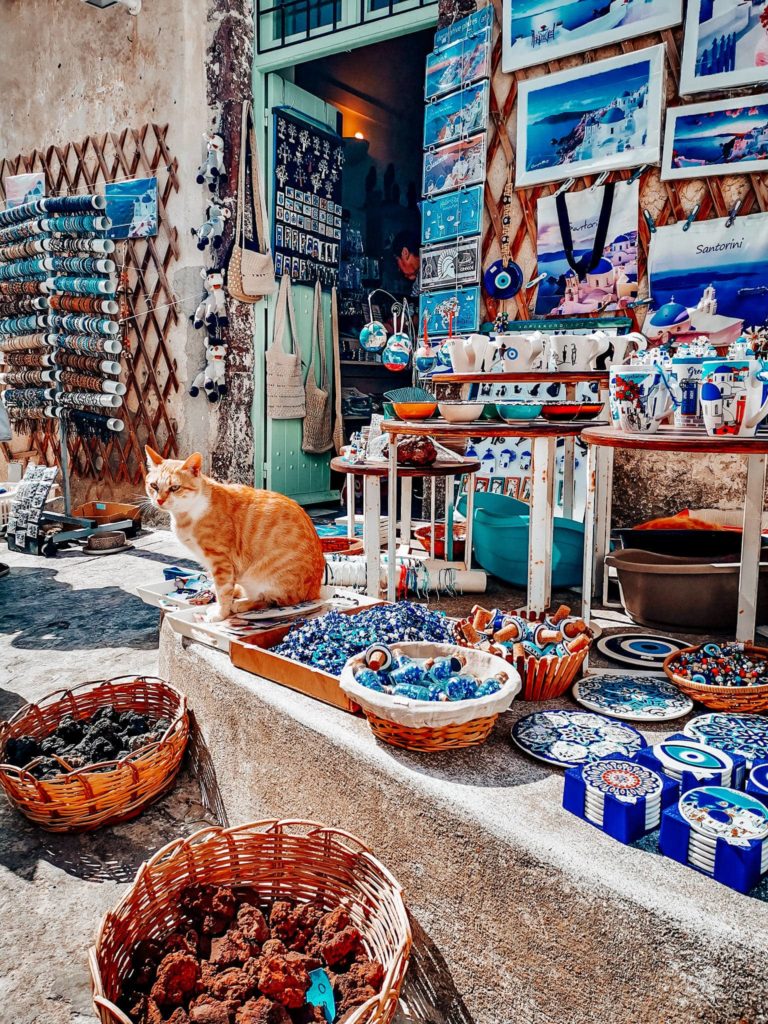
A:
285,386
251,271
317,436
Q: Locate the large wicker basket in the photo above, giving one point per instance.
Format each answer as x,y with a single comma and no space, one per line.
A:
108,792
735,699
302,860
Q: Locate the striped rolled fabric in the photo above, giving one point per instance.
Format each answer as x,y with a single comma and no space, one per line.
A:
18,232
17,214
75,225
82,285
72,204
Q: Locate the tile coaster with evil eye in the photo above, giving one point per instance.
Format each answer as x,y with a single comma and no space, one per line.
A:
692,763
619,796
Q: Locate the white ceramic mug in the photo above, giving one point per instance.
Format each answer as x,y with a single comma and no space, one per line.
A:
622,343
641,397
518,353
733,396
469,355
685,377
576,352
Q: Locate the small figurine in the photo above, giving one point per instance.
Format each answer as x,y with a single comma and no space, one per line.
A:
212,168
212,378
212,311
210,231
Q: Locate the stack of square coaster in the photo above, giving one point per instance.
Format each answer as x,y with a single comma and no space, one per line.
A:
757,783
719,831
622,798
692,764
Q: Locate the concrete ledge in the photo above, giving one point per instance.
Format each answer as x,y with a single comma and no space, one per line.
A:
522,912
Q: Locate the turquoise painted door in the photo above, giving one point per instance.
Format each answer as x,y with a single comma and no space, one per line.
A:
305,478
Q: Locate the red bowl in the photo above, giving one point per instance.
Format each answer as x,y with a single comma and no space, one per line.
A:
424,536
571,410
341,545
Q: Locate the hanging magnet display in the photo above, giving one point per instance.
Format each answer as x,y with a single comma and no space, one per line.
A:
450,265
459,306
453,215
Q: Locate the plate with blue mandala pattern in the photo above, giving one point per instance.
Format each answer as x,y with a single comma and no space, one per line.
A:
737,734
570,738
636,698
622,779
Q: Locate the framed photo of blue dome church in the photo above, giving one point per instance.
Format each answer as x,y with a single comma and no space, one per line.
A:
574,123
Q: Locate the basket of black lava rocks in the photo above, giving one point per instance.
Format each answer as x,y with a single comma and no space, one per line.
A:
93,755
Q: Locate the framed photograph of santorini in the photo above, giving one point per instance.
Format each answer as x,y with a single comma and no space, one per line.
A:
725,47
725,137
535,31
571,124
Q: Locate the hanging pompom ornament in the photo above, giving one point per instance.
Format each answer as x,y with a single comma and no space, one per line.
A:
425,358
397,355
373,337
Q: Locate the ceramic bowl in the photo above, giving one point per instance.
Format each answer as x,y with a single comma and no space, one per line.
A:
461,412
415,410
571,411
518,411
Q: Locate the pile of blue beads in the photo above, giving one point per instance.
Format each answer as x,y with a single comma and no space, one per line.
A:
721,665
429,679
329,641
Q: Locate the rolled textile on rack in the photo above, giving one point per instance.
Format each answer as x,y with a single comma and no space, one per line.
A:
88,382
37,358
75,225
10,305
82,285
83,304
24,269
92,424
71,323
16,415
27,398
21,287
83,399
81,265
17,345
69,245
91,364
22,324
18,232
27,378
17,214
72,204
87,343
20,250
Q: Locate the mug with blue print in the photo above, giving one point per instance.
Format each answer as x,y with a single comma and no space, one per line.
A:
734,396
641,397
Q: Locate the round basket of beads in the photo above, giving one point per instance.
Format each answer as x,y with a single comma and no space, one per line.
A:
93,755
726,677
548,651
271,921
424,696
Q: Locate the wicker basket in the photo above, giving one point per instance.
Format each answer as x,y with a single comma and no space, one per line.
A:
108,792
427,726
296,859
735,699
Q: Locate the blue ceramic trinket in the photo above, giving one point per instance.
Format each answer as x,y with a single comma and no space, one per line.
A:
692,763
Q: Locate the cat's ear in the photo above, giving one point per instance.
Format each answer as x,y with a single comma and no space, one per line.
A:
194,464
153,459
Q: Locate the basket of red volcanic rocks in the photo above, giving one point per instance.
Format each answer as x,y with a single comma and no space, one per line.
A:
277,922
93,755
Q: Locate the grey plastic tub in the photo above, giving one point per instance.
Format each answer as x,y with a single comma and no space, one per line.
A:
698,594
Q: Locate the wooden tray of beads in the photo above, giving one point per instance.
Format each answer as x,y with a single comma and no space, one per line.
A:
255,655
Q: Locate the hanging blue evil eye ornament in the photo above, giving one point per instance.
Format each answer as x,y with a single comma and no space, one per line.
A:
397,354
504,278
424,358
373,337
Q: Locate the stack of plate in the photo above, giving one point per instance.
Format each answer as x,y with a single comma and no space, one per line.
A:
691,763
757,783
746,735
626,782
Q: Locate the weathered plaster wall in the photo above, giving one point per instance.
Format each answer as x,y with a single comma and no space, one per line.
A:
68,70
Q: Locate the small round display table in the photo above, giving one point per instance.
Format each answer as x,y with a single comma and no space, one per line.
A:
604,440
372,474
544,437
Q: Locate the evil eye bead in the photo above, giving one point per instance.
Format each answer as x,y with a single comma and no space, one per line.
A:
373,337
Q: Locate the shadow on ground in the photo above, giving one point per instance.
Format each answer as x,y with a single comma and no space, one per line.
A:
85,619
429,995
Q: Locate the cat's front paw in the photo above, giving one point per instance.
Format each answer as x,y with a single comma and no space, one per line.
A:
214,614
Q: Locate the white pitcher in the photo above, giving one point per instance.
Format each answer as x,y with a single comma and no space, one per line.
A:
518,353
575,352
469,355
622,343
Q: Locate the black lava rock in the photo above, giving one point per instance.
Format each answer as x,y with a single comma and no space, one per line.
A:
20,750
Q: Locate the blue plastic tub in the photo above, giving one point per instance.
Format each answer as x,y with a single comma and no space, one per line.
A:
500,541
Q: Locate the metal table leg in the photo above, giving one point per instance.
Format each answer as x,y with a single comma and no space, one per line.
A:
372,534
406,493
541,524
432,515
751,538
603,503
392,521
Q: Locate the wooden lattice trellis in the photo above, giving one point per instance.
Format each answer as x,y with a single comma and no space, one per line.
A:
147,299
667,202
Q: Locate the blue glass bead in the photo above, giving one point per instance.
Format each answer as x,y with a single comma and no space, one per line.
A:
409,675
488,687
461,688
368,678
414,692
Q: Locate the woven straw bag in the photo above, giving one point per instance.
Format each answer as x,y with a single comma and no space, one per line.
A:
285,387
317,434
251,270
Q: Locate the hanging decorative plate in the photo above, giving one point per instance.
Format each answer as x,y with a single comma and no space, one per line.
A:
738,734
570,738
637,698
677,756
715,812
644,650
622,779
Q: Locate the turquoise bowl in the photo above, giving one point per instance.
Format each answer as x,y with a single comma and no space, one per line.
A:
518,411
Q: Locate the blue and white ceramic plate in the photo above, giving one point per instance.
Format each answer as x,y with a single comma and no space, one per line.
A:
622,779
677,756
738,734
643,650
759,777
719,813
637,698
570,738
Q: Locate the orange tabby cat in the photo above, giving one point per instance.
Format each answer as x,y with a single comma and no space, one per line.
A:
260,547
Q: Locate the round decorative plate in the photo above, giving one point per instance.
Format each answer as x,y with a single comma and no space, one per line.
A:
738,734
570,738
759,777
719,813
644,650
622,779
698,758
637,698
